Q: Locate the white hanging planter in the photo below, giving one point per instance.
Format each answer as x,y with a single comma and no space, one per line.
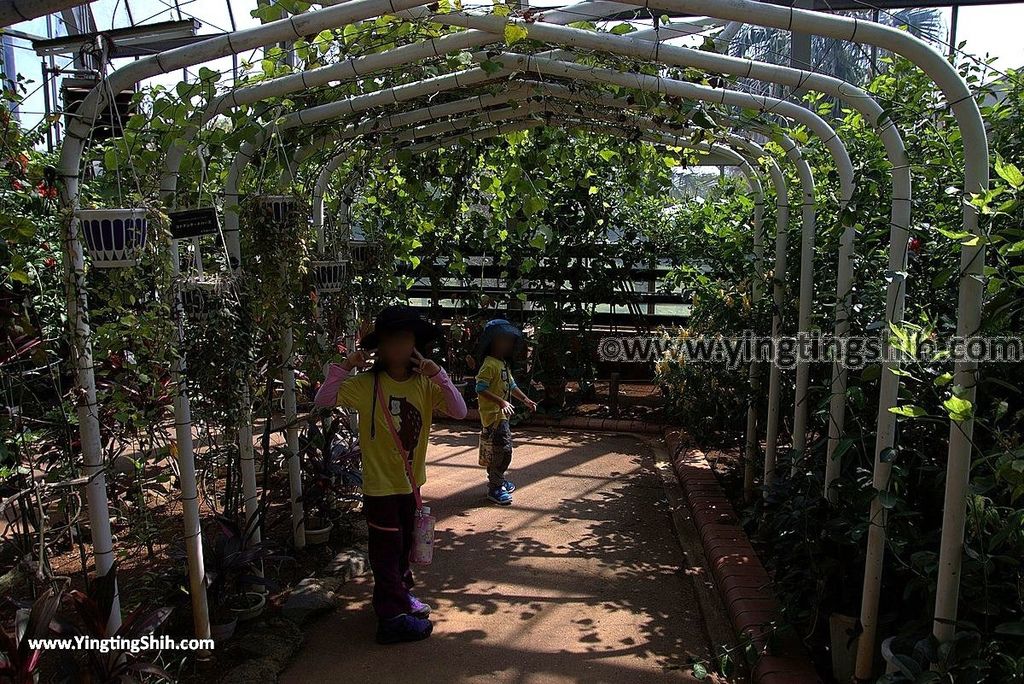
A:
330,276
196,299
277,209
201,296
363,253
114,237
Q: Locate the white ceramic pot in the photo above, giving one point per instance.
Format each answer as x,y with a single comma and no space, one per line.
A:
277,208
255,604
330,276
317,532
114,237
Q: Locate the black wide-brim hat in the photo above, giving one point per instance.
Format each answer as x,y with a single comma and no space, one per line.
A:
397,318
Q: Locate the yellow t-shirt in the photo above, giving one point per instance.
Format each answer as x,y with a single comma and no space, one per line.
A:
411,404
494,377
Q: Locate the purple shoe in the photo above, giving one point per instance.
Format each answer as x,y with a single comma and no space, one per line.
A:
403,628
418,608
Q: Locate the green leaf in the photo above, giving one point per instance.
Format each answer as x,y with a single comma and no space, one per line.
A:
110,162
887,499
515,33
958,409
1010,628
943,379
1009,173
608,155
699,671
623,29
909,411
490,66
21,277
533,204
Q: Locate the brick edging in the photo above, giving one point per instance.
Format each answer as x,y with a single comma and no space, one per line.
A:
741,579
581,423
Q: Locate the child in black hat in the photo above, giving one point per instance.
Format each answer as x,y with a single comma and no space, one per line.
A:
495,388
395,402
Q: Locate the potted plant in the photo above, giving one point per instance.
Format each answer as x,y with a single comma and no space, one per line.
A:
332,468
364,253
330,276
93,611
19,662
277,209
203,296
114,237
233,563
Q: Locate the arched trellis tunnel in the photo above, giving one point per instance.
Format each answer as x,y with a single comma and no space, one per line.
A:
558,90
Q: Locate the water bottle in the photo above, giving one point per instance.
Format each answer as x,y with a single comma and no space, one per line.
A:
423,543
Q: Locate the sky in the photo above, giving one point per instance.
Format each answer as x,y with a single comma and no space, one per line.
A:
988,29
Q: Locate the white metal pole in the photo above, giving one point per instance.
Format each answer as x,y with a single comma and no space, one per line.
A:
86,404
187,471
292,431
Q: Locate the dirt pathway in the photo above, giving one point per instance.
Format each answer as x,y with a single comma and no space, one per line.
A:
581,580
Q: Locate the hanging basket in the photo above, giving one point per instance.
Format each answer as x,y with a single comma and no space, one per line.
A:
200,297
364,253
277,209
197,300
330,276
115,238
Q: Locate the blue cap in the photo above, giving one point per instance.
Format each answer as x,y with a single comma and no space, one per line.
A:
499,326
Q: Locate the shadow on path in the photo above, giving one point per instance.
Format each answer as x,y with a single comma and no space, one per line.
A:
581,580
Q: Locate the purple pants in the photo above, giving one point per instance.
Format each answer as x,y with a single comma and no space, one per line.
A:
391,521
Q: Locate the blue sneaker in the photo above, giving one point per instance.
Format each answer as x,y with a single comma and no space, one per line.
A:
509,486
403,628
499,495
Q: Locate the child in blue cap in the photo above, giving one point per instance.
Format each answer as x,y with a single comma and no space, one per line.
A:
495,388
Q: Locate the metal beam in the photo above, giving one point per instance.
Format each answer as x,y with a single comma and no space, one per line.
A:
14,11
126,42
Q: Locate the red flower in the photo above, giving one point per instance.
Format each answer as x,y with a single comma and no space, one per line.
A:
46,191
914,245
16,184
49,262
